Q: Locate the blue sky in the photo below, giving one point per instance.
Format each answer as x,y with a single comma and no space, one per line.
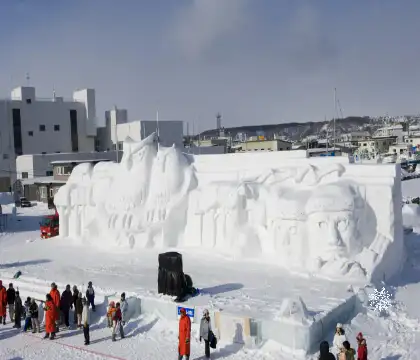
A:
255,61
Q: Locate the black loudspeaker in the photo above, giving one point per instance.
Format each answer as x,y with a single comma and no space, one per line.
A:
171,280
171,261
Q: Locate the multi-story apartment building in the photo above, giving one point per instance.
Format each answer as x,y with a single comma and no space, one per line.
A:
118,128
31,125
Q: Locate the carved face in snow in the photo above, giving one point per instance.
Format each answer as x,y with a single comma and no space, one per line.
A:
333,213
289,225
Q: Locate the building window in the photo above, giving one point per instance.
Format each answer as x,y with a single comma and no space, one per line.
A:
73,131
51,192
41,127
29,101
56,127
114,147
42,192
30,133
25,175
43,153
49,173
57,152
17,131
5,156
120,145
63,170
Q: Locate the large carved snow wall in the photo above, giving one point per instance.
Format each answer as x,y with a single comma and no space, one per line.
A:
324,216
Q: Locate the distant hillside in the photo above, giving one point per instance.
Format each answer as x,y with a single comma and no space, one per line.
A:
298,131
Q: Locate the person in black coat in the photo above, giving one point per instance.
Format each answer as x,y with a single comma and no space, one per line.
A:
75,297
11,296
18,311
65,304
34,311
324,351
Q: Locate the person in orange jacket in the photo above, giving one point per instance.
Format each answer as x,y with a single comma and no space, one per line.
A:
55,295
3,303
110,313
184,348
50,316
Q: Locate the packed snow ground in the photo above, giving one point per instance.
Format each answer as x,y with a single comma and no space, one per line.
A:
228,284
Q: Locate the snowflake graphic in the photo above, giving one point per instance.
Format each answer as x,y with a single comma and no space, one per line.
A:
380,300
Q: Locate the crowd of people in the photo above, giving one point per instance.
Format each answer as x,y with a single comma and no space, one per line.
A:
342,347
57,311
57,308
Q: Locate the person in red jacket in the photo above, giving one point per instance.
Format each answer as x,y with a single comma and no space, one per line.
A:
3,303
362,347
50,316
184,336
55,295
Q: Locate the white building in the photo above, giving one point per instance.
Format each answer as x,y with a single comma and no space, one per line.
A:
41,165
352,138
31,125
118,128
388,131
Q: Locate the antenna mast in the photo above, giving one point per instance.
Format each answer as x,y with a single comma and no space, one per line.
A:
157,127
335,113
116,135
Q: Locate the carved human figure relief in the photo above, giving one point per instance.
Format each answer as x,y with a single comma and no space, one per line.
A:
333,212
133,177
287,226
171,176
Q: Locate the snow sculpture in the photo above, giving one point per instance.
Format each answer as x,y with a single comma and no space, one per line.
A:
332,214
319,215
295,310
138,200
286,222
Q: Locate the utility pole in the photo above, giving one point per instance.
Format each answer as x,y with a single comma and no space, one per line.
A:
157,128
327,132
116,134
335,112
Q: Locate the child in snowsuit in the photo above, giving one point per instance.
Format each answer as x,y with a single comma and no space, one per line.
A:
28,322
90,295
362,347
85,321
110,313
347,353
79,310
33,310
117,323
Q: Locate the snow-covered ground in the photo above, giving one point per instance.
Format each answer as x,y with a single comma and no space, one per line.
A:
240,286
